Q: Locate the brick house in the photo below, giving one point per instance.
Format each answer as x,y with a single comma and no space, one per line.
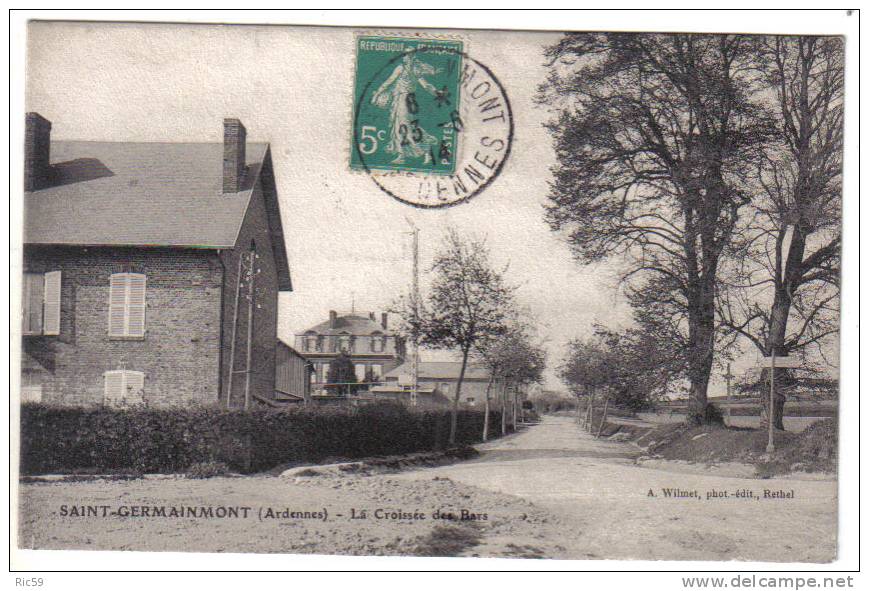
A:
137,262
371,345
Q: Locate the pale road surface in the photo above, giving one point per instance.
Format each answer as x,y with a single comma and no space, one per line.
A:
601,500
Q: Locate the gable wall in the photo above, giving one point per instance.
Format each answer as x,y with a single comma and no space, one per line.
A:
265,311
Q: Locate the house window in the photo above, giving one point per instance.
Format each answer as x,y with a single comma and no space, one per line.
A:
40,308
127,305
377,343
359,369
377,371
344,343
312,343
444,388
469,400
324,373
124,387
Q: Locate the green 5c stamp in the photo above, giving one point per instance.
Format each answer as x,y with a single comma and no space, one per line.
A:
431,125
406,91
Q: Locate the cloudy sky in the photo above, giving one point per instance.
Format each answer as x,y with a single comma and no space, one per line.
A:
348,242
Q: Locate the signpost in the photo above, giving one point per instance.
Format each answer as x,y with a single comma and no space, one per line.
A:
772,362
728,376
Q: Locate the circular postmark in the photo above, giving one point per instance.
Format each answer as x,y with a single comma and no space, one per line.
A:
432,126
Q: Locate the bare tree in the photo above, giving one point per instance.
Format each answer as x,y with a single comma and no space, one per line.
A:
655,136
783,287
468,301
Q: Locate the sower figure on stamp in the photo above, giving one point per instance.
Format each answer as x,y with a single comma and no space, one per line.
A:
398,93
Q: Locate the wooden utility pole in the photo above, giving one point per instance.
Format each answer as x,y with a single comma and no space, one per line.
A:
414,359
250,303
728,376
234,334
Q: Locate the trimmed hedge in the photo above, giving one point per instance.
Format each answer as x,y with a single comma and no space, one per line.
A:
57,439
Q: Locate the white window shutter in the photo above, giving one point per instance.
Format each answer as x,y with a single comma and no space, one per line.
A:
118,305
26,302
124,387
135,305
33,303
134,386
51,305
114,386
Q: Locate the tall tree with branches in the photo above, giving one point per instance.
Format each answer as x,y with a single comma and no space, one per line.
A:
655,138
468,301
782,288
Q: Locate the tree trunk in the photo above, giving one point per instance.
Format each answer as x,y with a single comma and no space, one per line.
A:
781,308
486,410
454,411
775,343
701,349
589,412
606,405
513,408
578,412
503,407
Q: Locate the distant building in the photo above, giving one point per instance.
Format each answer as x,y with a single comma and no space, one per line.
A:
437,383
134,263
374,349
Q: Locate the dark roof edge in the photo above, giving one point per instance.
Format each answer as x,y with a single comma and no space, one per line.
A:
276,227
131,245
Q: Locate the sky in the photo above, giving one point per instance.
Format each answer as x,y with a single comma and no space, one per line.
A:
348,242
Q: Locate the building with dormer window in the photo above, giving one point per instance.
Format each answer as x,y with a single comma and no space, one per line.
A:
370,344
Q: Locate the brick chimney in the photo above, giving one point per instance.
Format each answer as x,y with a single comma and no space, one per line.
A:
234,138
383,318
333,319
37,149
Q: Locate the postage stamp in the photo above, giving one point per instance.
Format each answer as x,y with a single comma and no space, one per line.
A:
431,125
406,90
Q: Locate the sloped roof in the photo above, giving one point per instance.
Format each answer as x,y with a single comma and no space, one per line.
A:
353,324
146,194
118,193
290,348
437,370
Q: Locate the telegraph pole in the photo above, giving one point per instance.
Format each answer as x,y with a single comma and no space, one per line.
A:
728,376
250,302
415,341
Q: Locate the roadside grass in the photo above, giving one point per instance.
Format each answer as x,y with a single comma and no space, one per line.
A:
813,450
448,540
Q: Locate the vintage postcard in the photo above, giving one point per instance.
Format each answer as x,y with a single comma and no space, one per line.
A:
382,291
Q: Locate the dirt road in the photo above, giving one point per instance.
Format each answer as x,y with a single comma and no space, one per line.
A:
614,508
548,491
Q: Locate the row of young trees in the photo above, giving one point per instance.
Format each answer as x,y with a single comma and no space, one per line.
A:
471,309
709,166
